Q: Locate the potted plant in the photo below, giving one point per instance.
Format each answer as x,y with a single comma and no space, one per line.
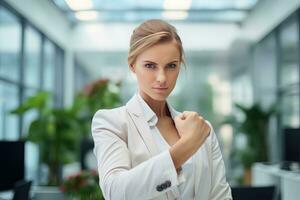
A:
255,128
59,131
83,186
55,130
99,94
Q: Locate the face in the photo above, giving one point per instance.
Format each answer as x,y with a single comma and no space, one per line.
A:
157,69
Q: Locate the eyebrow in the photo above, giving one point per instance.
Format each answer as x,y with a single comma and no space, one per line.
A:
156,63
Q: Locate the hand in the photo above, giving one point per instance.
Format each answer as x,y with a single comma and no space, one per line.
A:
192,128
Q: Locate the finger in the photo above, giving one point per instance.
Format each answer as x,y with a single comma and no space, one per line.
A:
183,115
200,117
186,114
208,128
179,117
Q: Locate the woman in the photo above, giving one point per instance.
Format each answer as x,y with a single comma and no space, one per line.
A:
148,150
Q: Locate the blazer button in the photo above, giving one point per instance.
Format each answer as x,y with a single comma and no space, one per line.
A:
164,186
168,183
159,188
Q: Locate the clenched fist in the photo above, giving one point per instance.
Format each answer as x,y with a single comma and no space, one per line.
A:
192,127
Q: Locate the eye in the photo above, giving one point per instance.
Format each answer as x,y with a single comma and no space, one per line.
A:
172,65
149,66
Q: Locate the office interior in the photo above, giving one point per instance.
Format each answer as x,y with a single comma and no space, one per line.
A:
60,60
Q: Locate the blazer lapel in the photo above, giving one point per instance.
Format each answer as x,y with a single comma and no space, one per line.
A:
173,112
135,112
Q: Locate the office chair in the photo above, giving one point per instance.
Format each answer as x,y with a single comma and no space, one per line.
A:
250,193
12,167
21,190
87,158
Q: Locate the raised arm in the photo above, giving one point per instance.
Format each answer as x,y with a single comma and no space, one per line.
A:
220,188
118,180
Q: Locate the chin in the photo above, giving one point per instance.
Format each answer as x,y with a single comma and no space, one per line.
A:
159,97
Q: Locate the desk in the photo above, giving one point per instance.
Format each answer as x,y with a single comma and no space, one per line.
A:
38,193
287,181
6,194
47,193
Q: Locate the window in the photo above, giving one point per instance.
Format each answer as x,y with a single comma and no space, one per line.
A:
32,65
8,101
289,66
30,115
10,40
42,63
265,62
49,66
290,109
289,73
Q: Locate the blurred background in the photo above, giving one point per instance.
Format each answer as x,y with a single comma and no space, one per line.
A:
61,60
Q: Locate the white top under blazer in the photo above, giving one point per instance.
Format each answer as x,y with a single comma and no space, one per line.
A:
134,165
184,190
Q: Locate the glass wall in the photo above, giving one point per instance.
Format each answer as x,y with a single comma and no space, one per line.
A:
32,58
10,40
265,87
49,64
264,72
9,100
275,79
289,73
28,63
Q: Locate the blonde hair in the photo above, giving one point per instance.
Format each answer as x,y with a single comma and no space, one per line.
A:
150,33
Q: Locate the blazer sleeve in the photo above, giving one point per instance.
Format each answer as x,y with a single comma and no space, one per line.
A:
118,180
220,189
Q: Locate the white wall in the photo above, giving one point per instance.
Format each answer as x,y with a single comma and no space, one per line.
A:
266,15
116,36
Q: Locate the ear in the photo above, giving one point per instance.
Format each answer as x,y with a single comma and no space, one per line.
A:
132,68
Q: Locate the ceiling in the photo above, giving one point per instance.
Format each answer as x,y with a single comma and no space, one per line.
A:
223,11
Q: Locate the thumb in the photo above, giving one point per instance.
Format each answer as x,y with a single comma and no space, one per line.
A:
182,116
179,117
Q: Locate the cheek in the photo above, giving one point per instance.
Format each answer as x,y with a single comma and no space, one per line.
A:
145,78
174,77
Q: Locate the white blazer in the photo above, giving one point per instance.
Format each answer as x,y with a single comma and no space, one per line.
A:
130,167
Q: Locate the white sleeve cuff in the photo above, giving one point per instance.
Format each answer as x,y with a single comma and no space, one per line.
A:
177,178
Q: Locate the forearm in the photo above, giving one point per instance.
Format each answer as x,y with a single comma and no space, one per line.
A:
182,150
141,181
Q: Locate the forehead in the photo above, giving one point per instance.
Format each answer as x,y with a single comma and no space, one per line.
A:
167,51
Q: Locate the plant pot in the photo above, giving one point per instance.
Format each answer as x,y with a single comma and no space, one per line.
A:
247,177
48,193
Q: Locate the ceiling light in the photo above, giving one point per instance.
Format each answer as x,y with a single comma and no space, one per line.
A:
86,15
175,15
80,4
177,4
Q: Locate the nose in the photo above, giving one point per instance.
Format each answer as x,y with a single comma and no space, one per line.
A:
161,77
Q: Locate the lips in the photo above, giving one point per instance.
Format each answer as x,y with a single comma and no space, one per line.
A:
160,90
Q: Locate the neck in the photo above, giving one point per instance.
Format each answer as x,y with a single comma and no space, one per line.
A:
159,107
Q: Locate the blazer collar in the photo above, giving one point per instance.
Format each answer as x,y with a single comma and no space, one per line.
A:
134,106
135,110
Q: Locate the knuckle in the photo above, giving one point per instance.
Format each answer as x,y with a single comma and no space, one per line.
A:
194,114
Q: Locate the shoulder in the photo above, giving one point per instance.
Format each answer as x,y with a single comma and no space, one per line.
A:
113,120
212,135
109,113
